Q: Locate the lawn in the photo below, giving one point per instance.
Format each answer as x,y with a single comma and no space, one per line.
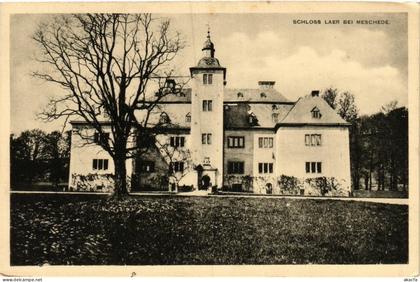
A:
144,230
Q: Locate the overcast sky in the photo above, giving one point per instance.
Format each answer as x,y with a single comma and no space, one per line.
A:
370,61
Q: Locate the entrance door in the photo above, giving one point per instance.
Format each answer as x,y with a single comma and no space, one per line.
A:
205,182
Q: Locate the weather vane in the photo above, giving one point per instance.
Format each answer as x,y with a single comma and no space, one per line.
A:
208,30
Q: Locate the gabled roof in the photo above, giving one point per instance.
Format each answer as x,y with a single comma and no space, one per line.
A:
301,113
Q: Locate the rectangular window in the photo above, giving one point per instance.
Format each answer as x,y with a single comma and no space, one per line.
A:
265,142
101,139
178,166
147,166
318,140
207,78
207,105
265,167
100,164
313,140
307,139
236,167
313,167
177,141
236,142
206,138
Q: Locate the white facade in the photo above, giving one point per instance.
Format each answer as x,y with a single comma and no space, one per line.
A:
334,153
274,141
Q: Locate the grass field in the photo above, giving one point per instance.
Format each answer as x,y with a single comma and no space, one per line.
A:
90,229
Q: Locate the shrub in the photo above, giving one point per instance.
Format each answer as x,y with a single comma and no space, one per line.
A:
290,185
325,185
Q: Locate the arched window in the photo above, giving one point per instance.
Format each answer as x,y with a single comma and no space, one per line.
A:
240,95
188,117
269,188
263,95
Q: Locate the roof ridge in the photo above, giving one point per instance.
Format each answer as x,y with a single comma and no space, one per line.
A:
294,105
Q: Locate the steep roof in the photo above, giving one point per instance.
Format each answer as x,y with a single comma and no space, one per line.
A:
175,112
269,95
301,113
237,115
234,95
184,97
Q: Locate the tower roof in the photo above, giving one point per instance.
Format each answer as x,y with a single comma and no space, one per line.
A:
208,45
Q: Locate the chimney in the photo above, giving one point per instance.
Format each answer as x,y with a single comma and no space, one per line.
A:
315,93
266,84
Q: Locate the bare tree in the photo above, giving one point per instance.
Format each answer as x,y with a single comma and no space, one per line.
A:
175,155
107,65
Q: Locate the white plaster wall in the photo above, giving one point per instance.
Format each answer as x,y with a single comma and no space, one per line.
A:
82,153
264,155
334,153
208,122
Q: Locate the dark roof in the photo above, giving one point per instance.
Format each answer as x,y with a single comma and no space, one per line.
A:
237,115
268,96
184,97
208,62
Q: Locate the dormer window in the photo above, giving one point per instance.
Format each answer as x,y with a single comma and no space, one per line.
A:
164,118
188,117
316,113
263,95
240,95
275,117
252,119
207,78
170,83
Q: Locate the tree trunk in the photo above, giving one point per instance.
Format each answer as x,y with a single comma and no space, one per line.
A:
120,189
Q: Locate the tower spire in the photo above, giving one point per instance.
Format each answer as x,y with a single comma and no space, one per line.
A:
208,48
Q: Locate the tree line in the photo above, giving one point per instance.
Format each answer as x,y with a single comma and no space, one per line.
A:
378,142
37,156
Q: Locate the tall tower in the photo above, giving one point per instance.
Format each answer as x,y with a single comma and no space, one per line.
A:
208,83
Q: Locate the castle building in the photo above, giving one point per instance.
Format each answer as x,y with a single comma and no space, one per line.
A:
242,140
